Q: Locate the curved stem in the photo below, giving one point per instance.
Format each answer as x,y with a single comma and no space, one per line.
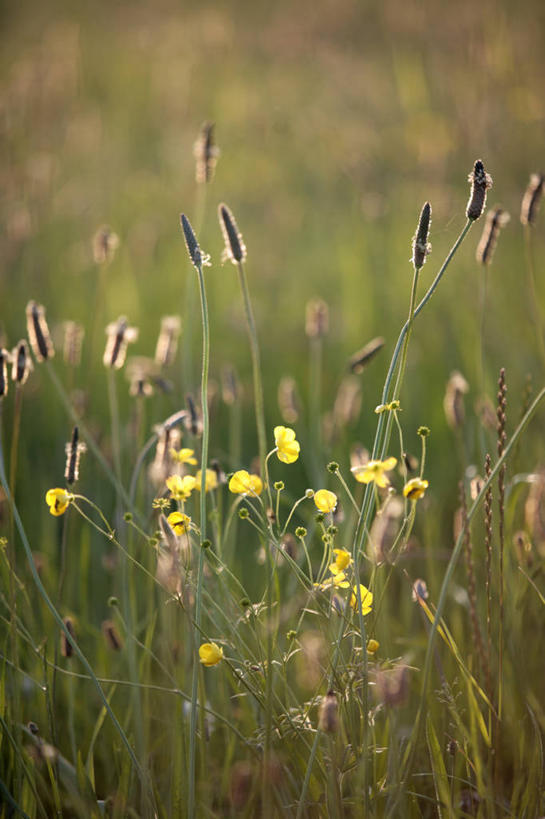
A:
198,592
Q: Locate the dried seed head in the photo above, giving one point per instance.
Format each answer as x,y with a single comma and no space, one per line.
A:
453,402
361,359
384,530
73,338
328,714
421,246
74,449
495,220
347,406
120,335
198,258
140,372
66,646
392,686
420,590
532,198
112,635
481,182
21,363
105,243
4,383
38,332
317,318
206,154
167,342
230,385
288,402
161,467
235,249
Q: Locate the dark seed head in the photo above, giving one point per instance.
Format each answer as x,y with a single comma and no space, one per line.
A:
495,220
532,198
38,332
235,249
421,246
481,182
191,242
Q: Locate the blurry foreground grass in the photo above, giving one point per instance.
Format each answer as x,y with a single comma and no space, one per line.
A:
320,632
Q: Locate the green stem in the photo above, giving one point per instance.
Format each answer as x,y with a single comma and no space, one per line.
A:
410,751
60,623
256,367
198,593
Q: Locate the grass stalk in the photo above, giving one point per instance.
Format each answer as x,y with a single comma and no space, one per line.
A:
200,567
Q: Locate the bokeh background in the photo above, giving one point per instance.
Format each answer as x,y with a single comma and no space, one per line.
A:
336,121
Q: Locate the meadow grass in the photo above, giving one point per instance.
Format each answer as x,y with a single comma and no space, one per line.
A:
325,605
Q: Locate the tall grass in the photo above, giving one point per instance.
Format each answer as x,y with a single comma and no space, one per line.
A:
237,642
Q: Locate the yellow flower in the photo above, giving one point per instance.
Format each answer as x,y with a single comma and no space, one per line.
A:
179,522
183,456
287,448
210,654
338,581
343,559
366,599
415,488
242,483
180,488
58,501
372,646
325,500
211,480
374,471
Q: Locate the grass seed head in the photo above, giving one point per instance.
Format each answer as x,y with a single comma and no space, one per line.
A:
328,714
38,332
317,318
363,357
67,649
421,246
105,243
288,402
21,363
495,220
4,383
120,335
235,249
532,198
206,154
112,635
74,449
167,343
198,259
73,339
481,182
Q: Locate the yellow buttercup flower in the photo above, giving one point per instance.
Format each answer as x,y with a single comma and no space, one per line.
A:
338,581
183,456
242,483
211,480
180,488
58,501
287,448
179,522
210,654
366,599
374,471
325,500
343,559
372,646
415,488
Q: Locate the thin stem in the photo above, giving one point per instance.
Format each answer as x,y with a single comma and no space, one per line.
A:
256,367
198,592
410,750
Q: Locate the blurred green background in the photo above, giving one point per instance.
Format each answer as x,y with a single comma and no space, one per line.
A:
336,121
